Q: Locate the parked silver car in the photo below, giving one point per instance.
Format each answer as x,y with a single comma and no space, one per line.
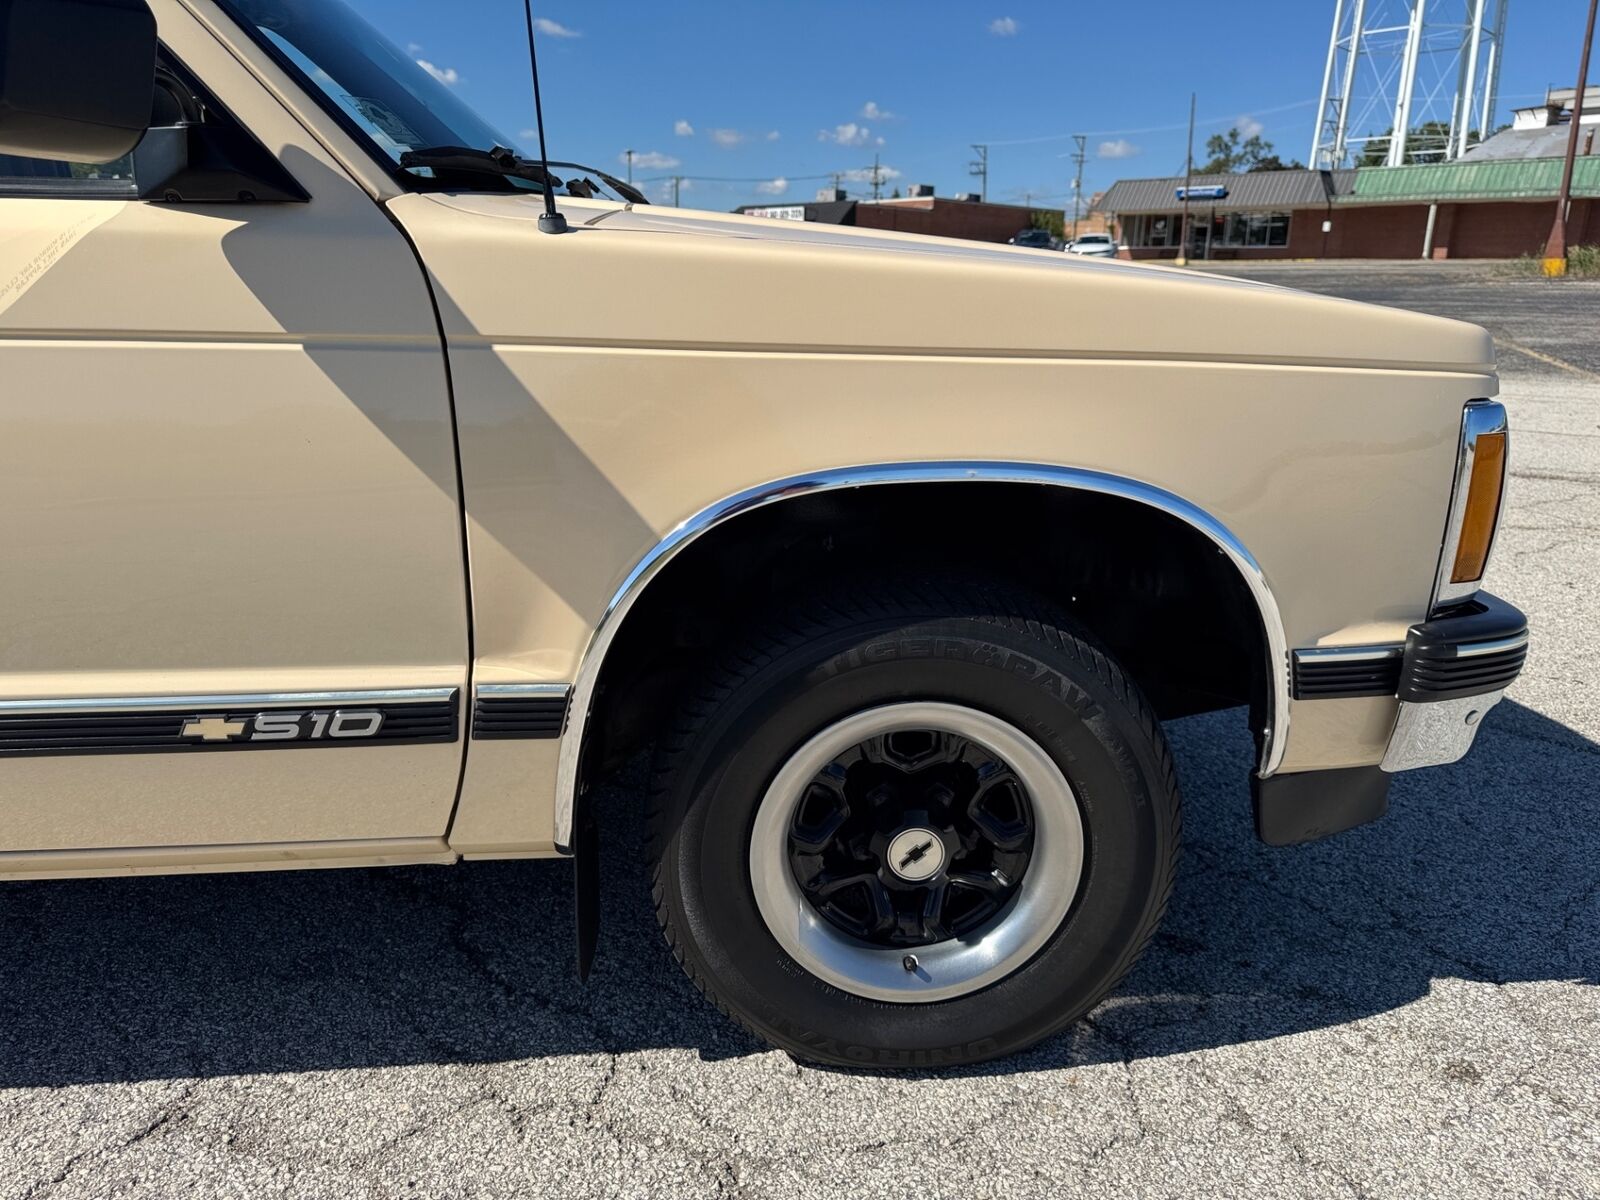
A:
1097,245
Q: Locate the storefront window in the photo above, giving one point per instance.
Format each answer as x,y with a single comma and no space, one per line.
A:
1253,229
1233,230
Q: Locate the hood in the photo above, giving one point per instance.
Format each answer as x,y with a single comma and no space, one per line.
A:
665,277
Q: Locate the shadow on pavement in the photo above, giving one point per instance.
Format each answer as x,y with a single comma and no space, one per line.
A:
1485,870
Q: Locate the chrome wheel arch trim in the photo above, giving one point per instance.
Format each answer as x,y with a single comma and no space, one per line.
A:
634,584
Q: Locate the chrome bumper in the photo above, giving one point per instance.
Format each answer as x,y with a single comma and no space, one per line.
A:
1455,669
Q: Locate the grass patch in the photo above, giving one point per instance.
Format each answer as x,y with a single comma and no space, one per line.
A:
1583,262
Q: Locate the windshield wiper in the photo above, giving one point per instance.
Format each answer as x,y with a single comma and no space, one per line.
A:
445,161
626,190
463,160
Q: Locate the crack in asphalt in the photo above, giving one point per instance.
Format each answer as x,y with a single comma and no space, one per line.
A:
169,1110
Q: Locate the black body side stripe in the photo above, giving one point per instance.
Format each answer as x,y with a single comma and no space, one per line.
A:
1333,675
149,724
519,716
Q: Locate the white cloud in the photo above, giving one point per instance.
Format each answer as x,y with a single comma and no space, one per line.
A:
528,135
554,29
727,138
445,75
1249,127
871,112
1116,148
848,134
864,174
413,47
773,135
683,129
651,160
773,187
1004,26
661,190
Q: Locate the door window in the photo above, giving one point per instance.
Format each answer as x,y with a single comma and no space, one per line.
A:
42,177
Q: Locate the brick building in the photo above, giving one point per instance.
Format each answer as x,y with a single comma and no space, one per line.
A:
923,212
1495,202
1473,208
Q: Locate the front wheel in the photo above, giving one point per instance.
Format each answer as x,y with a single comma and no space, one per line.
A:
917,826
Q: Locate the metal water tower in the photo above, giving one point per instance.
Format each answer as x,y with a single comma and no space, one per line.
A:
1406,65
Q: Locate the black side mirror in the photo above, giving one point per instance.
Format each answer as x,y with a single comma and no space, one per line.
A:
76,77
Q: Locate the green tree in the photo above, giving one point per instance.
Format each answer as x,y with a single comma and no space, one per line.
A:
1052,219
1426,143
1232,152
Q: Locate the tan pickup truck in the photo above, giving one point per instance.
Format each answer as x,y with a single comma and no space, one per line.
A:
349,518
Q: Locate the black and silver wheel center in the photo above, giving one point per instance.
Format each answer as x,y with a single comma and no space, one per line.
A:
911,837
916,854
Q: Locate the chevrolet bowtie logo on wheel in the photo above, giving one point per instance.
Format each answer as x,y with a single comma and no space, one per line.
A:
915,854
316,725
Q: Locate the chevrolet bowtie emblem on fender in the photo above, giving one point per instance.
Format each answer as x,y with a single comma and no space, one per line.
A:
213,729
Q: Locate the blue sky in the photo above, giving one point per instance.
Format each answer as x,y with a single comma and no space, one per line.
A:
773,94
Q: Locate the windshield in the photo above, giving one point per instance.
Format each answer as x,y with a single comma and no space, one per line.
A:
1095,237
369,80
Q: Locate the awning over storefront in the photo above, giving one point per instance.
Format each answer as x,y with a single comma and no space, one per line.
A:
1259,190
1504,179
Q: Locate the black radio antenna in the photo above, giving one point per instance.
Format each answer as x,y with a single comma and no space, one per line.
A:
550,221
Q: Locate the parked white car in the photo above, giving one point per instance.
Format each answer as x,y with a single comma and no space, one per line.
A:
1098,245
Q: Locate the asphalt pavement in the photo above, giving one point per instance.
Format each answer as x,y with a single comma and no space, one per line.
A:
1408,1010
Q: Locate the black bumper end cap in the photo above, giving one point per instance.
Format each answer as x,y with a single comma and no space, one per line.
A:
1311,805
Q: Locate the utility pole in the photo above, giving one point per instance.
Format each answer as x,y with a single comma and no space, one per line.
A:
1188,180
979,169
1077,180
1555,248
877,178
677,181
629,153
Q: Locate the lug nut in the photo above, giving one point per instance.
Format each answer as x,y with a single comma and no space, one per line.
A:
909,962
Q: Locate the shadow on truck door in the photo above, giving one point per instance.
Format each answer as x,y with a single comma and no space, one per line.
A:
1484,872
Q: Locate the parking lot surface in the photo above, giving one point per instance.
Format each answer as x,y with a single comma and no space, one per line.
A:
1408,1010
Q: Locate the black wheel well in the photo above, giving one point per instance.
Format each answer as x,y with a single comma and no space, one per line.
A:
1156,592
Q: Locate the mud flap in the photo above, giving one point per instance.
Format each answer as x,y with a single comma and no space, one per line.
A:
1307,807
586,887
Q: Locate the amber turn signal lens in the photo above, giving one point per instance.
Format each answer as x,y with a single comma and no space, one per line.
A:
1483,507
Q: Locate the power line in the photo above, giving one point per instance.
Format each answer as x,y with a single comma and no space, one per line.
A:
737,178
1062,137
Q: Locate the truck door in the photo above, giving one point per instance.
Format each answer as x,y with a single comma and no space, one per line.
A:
233,621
